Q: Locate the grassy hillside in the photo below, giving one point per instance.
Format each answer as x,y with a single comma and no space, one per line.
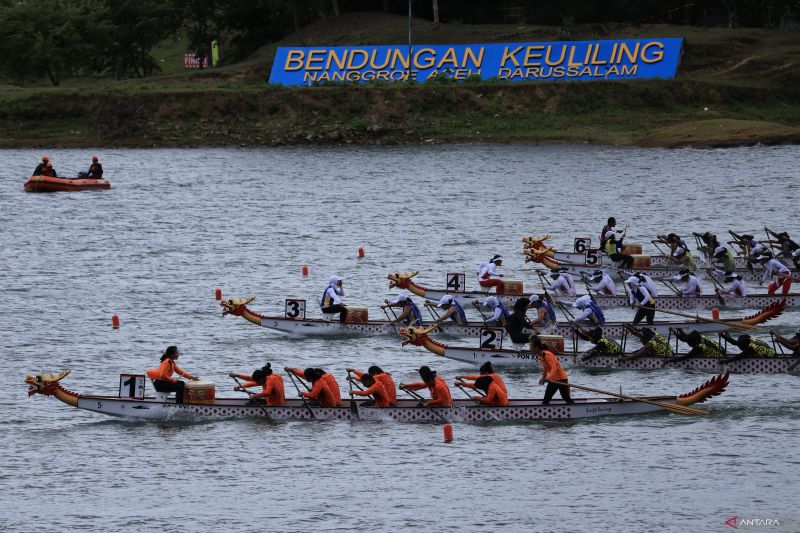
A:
737,86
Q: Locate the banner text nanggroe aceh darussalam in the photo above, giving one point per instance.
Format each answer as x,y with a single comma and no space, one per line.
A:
546,61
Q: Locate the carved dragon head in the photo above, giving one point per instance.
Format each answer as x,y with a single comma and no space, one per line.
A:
45,384
416,336
535,242
236,306
538,255
400,279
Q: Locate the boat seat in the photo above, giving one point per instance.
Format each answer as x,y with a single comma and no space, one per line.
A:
330,316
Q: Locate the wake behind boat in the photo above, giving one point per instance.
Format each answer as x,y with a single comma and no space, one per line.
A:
466,410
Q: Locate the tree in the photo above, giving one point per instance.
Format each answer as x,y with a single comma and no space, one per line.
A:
52,38
140,25
203,21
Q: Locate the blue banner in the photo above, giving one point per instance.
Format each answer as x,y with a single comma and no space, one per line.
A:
547,61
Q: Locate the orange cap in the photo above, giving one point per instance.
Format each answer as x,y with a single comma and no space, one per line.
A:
45,158
94,158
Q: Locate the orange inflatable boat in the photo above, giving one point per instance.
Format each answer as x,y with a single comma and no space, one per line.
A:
50,184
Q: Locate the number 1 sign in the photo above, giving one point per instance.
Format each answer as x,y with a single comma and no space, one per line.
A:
131,386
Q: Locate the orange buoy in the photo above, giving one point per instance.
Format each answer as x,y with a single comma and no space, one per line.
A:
448,433
218,294
305,270
715,313
115,321
360,252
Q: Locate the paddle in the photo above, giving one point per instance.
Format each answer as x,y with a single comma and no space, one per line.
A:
717,286
711,320
421,401
305,402
464,390
253,398
383,308
682,409
588,289
478,307
353,406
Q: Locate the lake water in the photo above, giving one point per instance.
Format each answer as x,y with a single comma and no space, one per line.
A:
180,223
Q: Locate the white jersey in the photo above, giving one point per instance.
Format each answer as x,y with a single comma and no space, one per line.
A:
737,288
487,270
650,285
692,287
606,286
773,266
564,284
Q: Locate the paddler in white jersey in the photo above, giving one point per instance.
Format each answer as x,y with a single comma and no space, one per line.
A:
563,283
499,313
737,287
692,287
648,283
773,267
606,285
640,297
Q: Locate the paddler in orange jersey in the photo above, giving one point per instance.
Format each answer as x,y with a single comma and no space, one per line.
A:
272,385
329,380
440,392
375,388
486,369
162,376
494,394
319,389
382,377
551,372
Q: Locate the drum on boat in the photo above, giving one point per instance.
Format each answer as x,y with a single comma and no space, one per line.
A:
199,392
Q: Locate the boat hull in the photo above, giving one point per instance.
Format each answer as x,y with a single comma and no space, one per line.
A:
50,184
406,411
509,358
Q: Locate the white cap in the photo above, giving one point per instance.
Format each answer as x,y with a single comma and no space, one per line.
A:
496,258
582,302
334,280
796,253
534,298
719,249
762,257
446,299
399,298
491,301
609,234
633,280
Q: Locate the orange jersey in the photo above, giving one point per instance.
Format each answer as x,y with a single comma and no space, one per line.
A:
495,396
329,379
165,370
440,392
495,378
387,382
552,369
322,393
273,391
378,391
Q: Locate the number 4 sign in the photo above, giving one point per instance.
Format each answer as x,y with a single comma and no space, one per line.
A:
456,282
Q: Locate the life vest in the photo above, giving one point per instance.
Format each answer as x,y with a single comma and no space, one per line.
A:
550,311
415,313
637,294
761,348
462,317
660,345
327,300
503,312
597,314
610,247
709,348
608,347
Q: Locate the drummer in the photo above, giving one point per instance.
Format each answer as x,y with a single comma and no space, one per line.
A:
488,276
318,373
162,376
410,314
271,385
332,298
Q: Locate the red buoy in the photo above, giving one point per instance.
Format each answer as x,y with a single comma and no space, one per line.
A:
448,433
305,270
115,321
715,313
218,294
360,252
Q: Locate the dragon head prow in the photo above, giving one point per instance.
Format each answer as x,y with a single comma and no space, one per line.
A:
415,336
713,387
44,384
235,306
400,279
535,241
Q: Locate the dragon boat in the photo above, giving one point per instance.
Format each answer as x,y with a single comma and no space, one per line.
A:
299,325
535,251
669,301
463,410
522,357
51,184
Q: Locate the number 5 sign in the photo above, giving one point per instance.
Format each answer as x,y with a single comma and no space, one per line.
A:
295,309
